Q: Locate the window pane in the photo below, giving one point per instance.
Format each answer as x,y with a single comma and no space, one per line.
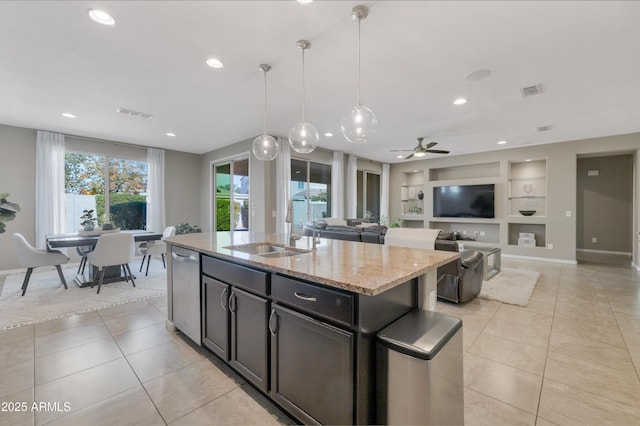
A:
223,197
127,195
84,187
241,194
319,189
299,192
373,195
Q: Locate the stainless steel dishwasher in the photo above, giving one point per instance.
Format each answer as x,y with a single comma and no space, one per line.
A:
184,289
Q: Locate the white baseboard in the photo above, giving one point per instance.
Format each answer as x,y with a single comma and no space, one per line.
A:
541,259
619,253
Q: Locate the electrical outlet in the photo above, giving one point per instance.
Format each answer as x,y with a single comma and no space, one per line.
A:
482,233
594,240
464,232
567,213
550,246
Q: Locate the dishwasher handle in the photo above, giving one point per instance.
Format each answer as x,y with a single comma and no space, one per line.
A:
184,258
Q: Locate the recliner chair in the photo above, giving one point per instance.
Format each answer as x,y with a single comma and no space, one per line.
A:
459,281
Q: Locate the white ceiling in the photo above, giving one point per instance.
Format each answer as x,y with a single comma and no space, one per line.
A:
415,54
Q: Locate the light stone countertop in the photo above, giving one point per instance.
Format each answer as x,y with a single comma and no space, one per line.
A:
363,268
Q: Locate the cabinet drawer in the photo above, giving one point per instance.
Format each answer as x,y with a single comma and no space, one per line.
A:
247,278
321,301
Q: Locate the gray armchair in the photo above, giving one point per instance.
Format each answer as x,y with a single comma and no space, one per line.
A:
459,281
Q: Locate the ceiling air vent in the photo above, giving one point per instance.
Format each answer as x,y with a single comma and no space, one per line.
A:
134,113
543,128
536,89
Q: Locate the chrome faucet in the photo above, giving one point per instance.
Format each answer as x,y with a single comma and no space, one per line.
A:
315,239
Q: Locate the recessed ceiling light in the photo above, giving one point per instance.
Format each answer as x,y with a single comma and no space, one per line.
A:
399,156
460,101
68,115
415,171
502,142
528,159
170,134
101,17
305,1
328,135
215,63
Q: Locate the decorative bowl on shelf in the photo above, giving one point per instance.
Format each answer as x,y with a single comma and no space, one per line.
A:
527,212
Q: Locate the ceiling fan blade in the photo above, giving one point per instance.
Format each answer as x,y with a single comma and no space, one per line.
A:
431,145
408,156
437,151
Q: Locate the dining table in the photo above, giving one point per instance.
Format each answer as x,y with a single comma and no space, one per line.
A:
112,273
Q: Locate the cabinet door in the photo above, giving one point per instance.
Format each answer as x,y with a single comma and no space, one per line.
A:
250,336
311,368
215,316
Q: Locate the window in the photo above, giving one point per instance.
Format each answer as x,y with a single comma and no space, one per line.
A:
310,191
231,197
87,177
368,205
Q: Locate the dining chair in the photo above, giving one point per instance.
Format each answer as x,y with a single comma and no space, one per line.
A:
116,249
151,248
31,258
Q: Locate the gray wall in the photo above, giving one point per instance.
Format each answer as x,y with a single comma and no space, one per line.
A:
604,203
561,160
182,187
17,177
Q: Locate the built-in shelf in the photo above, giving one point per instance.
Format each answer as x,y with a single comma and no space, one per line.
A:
411,196
471,171
539,230
527,188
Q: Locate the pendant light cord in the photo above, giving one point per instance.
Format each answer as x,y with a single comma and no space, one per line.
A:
265,103
359,61
303,94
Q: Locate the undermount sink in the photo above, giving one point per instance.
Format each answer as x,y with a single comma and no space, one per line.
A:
267,249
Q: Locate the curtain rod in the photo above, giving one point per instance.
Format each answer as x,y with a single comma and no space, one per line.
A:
113,142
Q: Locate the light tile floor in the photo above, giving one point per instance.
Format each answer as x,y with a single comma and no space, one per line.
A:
572,356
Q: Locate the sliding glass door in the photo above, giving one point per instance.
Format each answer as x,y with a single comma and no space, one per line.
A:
310,191
231,196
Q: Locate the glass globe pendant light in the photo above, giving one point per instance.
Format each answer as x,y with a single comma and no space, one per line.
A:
359,123
265,147
303,137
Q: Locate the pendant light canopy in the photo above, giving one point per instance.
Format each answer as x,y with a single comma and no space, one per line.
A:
265,147
303,137
359,123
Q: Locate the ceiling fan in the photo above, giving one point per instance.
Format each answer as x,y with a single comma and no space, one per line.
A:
421,150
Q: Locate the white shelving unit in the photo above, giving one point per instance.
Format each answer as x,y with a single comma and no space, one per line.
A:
527,193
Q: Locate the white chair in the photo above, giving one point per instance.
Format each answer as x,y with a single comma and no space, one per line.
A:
31,258
115,249
151,248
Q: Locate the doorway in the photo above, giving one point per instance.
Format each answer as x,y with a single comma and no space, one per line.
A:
604,208
231,198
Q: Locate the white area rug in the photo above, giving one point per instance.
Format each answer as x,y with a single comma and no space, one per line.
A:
47,299
512,286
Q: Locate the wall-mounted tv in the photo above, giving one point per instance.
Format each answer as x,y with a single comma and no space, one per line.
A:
464,201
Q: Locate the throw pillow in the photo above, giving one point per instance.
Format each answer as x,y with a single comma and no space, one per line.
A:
334,221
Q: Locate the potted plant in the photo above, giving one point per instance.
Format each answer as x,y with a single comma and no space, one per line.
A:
88,220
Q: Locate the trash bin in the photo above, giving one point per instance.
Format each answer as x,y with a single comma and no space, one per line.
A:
419,370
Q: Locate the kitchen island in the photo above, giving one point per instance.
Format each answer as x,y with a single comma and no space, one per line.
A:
299,324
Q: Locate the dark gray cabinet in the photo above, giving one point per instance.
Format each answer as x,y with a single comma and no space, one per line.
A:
249,336
215,316
311,368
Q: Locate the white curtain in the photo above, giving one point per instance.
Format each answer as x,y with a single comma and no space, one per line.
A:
283,177
49,186
156,220
352,187
337,185
384,193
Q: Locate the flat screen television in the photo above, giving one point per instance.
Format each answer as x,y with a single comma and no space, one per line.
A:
464,201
